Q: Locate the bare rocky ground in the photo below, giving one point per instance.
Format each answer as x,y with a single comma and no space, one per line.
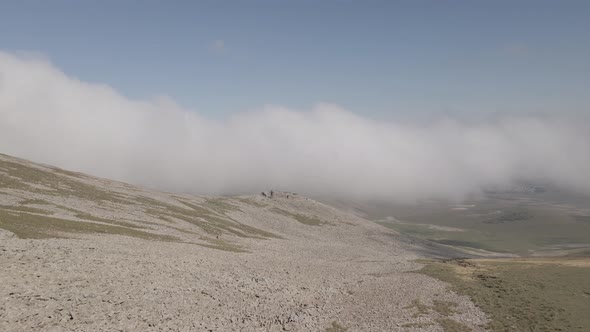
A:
79,253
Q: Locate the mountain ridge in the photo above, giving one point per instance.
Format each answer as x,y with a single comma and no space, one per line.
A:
87,254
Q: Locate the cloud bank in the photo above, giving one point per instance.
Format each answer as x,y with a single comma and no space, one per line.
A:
49,117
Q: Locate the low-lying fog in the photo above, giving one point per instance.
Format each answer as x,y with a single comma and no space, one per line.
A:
49,117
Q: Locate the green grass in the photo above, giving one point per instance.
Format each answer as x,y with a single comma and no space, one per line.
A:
461,243
519,223
210,221
33,226
33,222
417,325
77,214
250,202
420,308
310,221
22,208
60,184
523,295
585,252
469,238
444,309
220,244
88,216
581,218
518,229
510,215
35,201
220,205
450,325
336,327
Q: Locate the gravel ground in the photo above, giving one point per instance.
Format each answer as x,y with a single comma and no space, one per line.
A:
322,270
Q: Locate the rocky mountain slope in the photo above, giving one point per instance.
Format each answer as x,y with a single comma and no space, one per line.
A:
79,253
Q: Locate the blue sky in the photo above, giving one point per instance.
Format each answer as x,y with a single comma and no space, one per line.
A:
378,58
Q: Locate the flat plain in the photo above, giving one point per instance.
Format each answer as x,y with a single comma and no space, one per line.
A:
532,271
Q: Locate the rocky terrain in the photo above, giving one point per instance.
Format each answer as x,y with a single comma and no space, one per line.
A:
80,253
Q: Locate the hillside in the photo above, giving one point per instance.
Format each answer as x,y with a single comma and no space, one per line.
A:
87,254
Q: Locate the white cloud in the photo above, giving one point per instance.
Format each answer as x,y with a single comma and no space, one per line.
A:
49,117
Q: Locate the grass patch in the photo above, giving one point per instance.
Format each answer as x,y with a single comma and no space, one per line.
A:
451,325
19,176
220,205
421,309
336,327
31,222
88,216
310,221
417,325
579,253
229,248
67,173
35,201
524,294
517,238
210,221
466,244
250,201
581,218
220,244
509,216
445,308
21,208
77,214
31,226
527,224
